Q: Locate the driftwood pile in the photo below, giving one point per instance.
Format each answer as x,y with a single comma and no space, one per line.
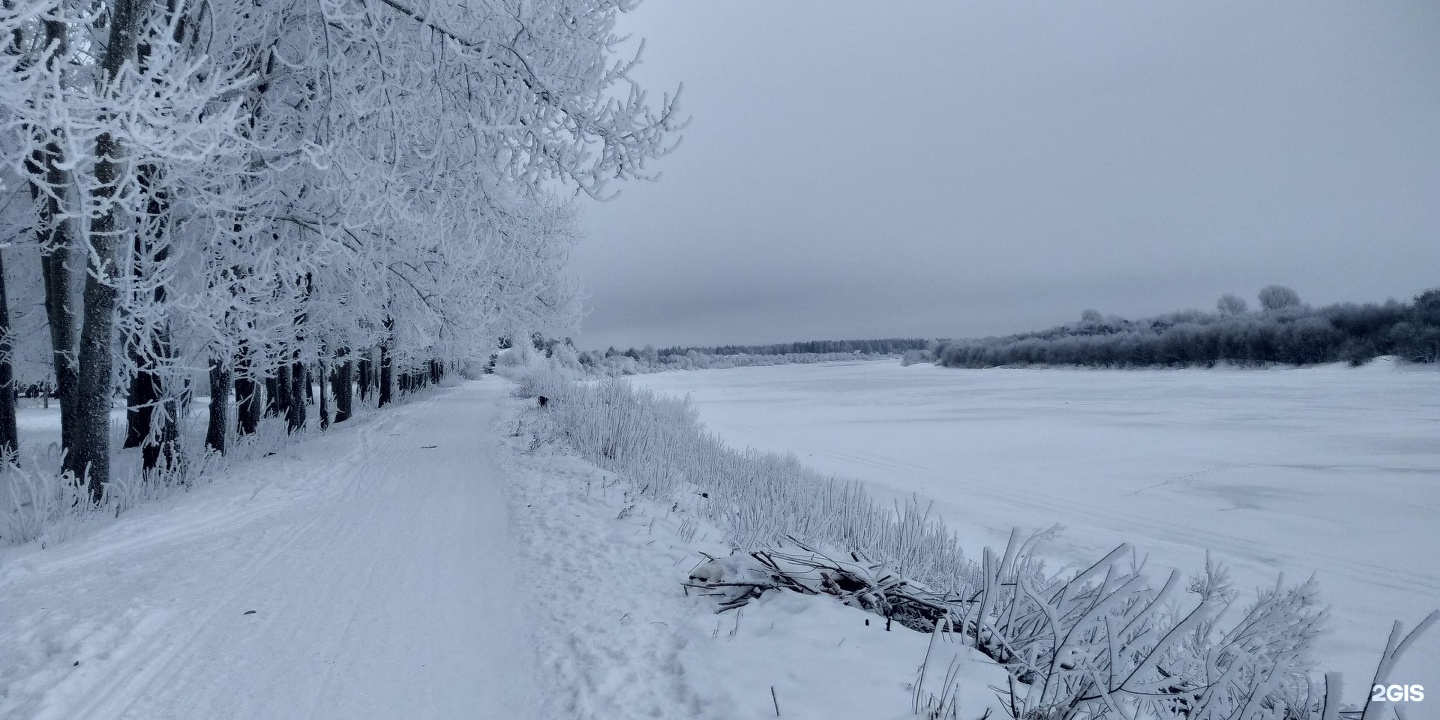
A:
872,587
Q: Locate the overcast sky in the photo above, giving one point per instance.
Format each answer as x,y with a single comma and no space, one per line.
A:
956,168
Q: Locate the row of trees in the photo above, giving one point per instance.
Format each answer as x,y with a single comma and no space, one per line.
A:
273,191
1283,331
614,363
884,346
648,359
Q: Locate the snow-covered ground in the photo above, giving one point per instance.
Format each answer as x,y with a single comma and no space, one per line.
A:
365,573
619,640
432,560
1328,470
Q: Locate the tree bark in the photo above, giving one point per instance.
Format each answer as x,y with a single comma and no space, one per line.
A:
54,264
340,384
9,433
386,383
387,366
299,375
216,430
50,183
364,371
91,454
54,236
148,343
324,397
140,404
148,346
295,418
272,393
282,390
164,452
247,392
139,400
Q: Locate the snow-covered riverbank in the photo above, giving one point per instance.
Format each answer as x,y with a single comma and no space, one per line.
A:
1328,470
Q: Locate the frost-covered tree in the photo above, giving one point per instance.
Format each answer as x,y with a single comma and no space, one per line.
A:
279,193
1229,304
1278,297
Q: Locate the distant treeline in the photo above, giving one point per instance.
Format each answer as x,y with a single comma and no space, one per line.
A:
886,346
634,361
1283,331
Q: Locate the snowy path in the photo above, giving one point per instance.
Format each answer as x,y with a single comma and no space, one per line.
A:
376,559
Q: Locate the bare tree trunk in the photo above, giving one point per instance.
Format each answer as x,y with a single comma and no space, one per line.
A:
54,265
247,392
9,433
216,430
247,406
90,457
299,377
362,367
387,366
139,398
55,241
340,383
145,391
272,391
50,185
148,344
324,398
140,403
91,454
295,418
281,391
164,452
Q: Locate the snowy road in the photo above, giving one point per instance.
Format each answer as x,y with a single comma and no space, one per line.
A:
376,560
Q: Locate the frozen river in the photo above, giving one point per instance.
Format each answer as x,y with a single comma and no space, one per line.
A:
1329,470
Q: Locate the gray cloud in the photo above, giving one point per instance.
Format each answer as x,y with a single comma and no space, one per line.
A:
866,169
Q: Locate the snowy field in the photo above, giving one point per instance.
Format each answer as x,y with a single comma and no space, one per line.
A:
1329,470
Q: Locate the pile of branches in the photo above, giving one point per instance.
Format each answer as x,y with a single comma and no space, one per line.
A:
857,582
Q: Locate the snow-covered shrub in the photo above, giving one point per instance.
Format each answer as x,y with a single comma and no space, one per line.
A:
39,500
34,495
761,498
915,357
515,357
565,356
